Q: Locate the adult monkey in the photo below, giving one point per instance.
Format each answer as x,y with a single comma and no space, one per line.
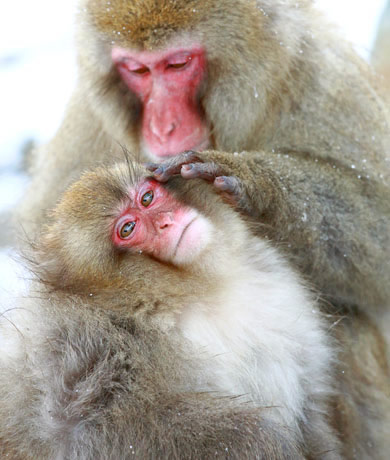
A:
264,77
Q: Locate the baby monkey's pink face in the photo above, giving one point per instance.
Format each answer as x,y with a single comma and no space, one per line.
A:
155,222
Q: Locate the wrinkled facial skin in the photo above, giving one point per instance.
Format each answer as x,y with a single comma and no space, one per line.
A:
155,222
167,84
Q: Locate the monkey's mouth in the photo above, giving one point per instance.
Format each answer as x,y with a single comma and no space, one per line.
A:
183,234
194,238
202,146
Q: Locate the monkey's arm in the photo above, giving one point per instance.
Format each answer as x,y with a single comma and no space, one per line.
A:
333,223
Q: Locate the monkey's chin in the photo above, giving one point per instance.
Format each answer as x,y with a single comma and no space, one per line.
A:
193,240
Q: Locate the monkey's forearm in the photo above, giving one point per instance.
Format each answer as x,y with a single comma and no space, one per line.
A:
333,223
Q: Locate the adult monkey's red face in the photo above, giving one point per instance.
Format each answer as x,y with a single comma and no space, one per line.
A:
167,85
166,76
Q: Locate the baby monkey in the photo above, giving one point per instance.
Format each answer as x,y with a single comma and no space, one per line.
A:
154,293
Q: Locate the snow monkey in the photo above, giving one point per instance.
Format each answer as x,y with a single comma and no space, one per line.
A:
267,97
162,326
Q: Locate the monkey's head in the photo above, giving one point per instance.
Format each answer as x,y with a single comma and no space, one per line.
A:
117,227
186,74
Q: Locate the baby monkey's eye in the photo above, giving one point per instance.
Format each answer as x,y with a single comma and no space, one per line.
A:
147,198
127,229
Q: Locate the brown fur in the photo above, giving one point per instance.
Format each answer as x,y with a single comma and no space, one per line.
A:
282,87
363,408
146,23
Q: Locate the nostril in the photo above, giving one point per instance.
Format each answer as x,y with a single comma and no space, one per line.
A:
165,220
162,130
170,129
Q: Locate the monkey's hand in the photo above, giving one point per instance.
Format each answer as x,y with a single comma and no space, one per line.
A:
215,167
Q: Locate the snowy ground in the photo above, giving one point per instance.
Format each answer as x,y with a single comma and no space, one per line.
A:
37,74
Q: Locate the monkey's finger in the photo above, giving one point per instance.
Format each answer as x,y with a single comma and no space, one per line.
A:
205,171
151,166
173,166
229,185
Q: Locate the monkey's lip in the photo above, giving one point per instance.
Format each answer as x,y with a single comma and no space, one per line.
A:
202,146
180,240
194,238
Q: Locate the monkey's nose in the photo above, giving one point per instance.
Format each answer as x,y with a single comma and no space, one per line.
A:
162,129
163,221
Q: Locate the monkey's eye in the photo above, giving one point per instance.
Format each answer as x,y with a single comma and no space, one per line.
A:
126,229
178,65
147,198
140,70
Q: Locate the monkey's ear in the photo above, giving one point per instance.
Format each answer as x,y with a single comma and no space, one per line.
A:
46,259
44,264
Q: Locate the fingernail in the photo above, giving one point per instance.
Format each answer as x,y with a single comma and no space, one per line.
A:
187,167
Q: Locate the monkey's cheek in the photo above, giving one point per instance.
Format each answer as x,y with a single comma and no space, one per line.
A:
193,241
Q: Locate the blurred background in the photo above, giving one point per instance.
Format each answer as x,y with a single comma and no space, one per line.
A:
37,74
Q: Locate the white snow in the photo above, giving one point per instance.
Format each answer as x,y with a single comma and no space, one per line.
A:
357,19
37,74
